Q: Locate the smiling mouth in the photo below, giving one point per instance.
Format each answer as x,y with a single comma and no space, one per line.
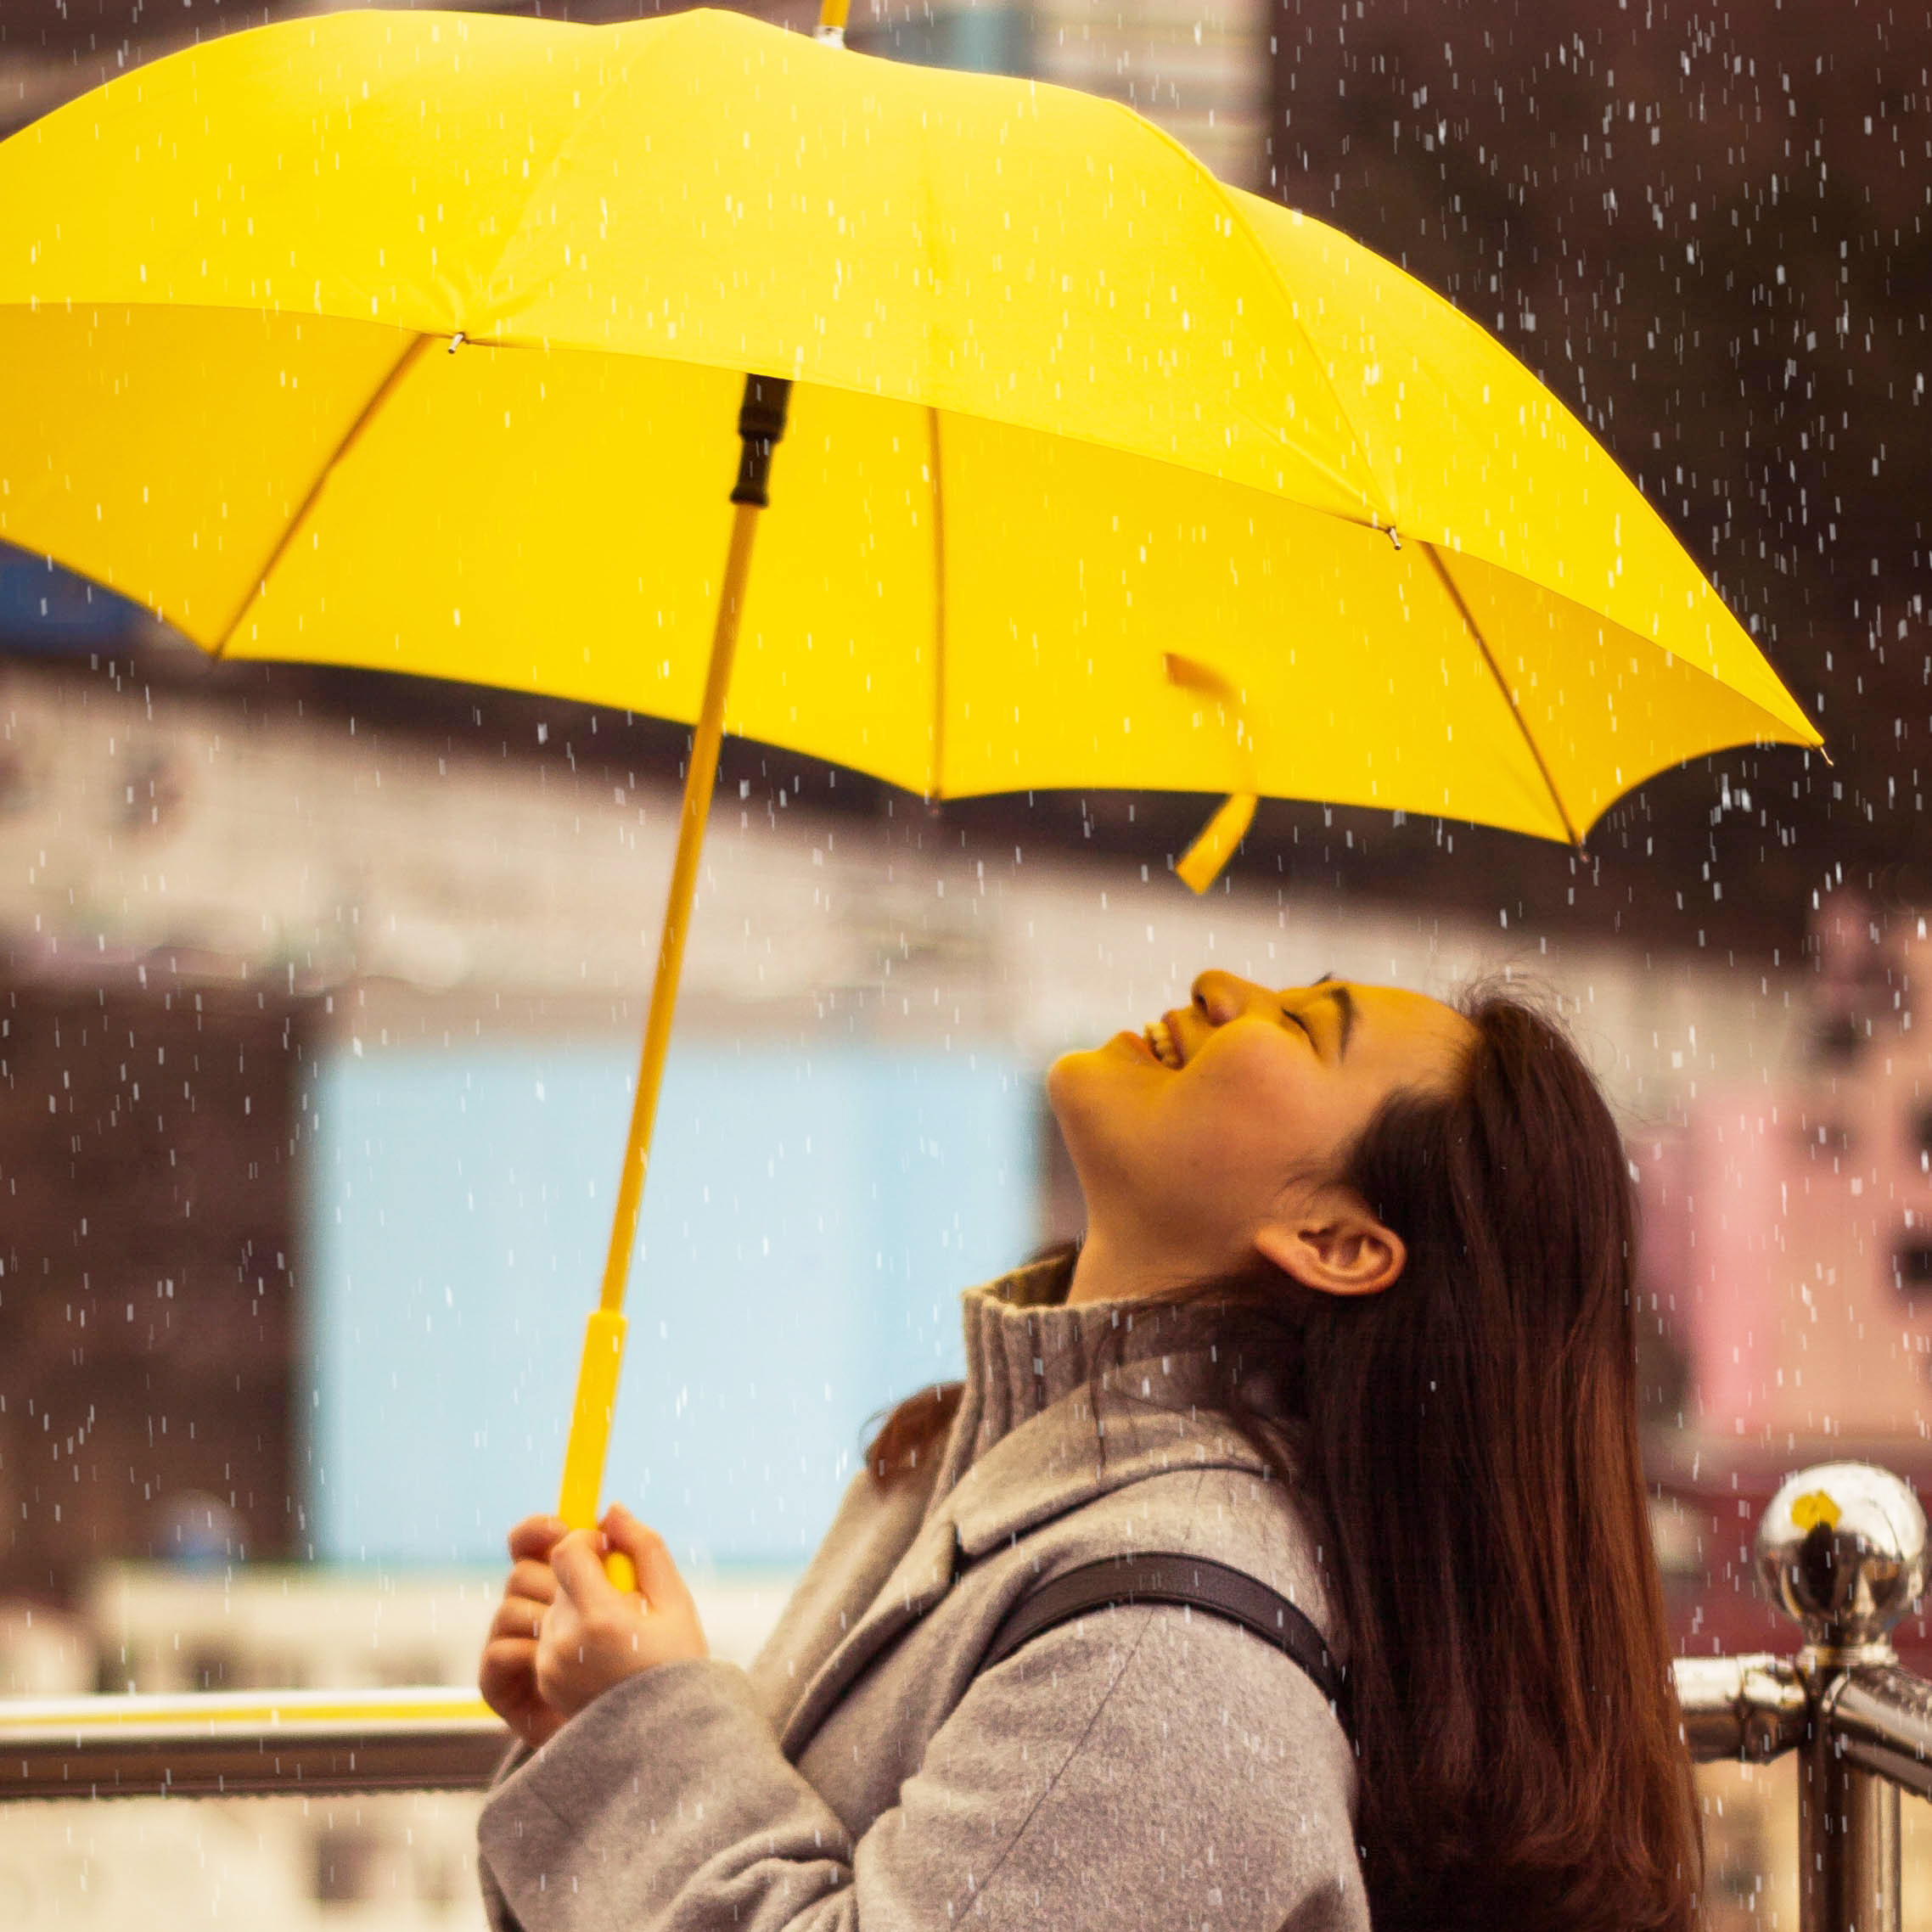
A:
1162,1044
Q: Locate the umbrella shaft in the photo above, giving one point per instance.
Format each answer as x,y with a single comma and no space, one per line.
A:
699,781
603,1334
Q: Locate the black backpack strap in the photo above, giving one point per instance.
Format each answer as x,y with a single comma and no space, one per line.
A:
1189,1581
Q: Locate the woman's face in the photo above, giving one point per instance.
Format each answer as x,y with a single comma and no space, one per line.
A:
1224,1117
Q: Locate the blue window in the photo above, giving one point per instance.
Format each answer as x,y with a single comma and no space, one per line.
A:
809,1223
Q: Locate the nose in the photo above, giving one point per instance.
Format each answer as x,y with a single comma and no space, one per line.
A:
1219,997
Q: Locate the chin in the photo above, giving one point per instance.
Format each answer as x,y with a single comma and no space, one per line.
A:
1072,1073
1083,1091
1063,1082
1072,1086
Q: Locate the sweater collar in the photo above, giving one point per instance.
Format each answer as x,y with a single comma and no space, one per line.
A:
1030,1356
1026,1350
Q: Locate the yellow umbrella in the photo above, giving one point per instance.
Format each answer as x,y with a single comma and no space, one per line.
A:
407,341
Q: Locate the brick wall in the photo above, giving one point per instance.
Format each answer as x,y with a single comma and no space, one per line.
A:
149,1147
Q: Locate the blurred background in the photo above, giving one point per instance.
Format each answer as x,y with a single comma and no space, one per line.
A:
319,992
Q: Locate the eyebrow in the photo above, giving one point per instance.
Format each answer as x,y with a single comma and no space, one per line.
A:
1333,988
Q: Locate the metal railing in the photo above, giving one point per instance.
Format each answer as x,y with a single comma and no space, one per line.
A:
1841,1547
235,1744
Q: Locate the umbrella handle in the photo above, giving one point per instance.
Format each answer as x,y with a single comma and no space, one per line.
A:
761,423
590,1433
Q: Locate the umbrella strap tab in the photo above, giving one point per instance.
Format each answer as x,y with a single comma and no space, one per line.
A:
1202,863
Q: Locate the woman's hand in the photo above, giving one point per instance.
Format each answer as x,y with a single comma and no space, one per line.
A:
507,1674
594,1635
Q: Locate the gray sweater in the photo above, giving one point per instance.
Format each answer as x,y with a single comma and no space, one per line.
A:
1144,1766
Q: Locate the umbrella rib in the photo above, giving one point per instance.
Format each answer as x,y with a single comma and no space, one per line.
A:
936,788
1503,684
386,388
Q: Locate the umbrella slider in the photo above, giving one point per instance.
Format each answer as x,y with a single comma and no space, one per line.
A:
760,422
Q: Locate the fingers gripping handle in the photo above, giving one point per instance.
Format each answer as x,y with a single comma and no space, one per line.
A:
590,1433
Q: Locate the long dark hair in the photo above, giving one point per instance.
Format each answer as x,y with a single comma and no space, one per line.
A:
1470,1438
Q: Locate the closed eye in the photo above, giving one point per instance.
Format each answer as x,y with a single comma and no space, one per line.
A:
1296,1019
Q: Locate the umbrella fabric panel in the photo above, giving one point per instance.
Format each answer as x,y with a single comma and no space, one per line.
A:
163,451
1605,707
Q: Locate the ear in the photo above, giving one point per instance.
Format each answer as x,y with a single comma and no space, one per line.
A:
1335,1247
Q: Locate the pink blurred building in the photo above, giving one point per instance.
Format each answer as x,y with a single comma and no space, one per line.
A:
1788,1227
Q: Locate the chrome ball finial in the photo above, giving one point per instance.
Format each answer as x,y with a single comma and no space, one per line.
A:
1841,1547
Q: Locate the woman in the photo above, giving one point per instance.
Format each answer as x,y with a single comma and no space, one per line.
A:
1352,1316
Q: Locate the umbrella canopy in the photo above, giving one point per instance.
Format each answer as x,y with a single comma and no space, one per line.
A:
1099,473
